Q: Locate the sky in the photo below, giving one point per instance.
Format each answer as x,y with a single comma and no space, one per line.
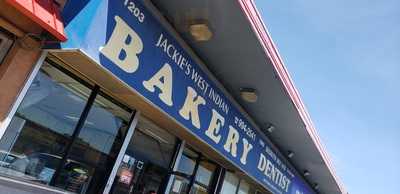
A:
344,58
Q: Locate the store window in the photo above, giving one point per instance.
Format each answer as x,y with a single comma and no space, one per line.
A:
6,42
146,163
232,184
195,174
65,133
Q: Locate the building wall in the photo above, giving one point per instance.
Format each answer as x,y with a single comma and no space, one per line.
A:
18,63
14,71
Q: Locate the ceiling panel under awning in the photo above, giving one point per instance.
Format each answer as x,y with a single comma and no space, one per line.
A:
236,57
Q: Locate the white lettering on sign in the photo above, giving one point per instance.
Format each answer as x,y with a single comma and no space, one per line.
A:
273,173
123,46
232,141
217,121
216,98
190,108
122,49
184,64
246,129
163,81
246,149
134,10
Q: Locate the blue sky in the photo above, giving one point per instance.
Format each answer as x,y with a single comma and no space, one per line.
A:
344,57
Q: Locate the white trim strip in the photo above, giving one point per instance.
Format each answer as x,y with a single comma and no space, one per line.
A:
175,167
121,154
4,124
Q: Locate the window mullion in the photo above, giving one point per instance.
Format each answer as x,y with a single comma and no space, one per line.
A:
193,177
77,130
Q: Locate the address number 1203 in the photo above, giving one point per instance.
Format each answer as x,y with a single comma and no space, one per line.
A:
135,11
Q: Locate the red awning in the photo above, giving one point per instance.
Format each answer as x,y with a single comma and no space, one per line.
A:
45,13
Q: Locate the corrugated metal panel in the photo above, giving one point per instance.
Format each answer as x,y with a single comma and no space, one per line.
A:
45,13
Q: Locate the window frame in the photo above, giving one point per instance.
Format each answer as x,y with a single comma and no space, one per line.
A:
95,91
211,188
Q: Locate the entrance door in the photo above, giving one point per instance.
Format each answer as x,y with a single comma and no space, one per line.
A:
146,162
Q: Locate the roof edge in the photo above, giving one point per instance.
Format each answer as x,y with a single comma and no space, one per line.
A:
250,10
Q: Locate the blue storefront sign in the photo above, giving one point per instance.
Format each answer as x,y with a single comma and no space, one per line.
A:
126,39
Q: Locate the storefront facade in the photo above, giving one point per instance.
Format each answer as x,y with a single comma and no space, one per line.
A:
125,106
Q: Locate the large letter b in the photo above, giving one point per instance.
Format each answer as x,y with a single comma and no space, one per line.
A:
123,46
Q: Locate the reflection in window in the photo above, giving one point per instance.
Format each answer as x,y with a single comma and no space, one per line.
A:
51,141
234,185
198,189
188,162
147,160
205,172
180,185
95,149
194,175
230,184
42,126
244,187
186,170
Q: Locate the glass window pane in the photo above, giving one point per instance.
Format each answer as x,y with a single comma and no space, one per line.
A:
149,138
180,185
187,162
198,189
37,136
230,184
186,165
147,159
244,187
93,153
205,172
